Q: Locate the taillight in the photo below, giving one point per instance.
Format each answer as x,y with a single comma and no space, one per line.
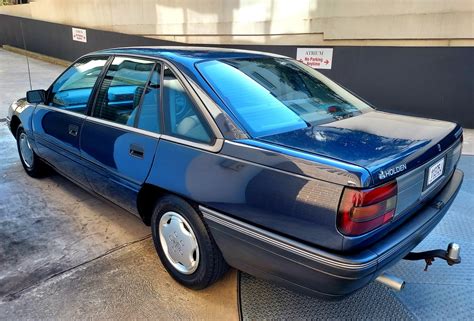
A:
363,210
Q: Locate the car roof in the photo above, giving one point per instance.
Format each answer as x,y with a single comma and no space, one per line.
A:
186,54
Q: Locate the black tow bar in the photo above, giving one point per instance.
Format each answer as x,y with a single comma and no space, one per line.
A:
451,255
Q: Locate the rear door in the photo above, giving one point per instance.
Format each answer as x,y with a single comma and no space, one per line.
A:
120,137
57,124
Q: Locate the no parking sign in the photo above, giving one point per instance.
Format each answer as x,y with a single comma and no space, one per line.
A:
318,58
79,34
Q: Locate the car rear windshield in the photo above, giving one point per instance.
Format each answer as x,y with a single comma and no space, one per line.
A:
276,95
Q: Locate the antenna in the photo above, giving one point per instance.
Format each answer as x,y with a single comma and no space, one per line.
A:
26,54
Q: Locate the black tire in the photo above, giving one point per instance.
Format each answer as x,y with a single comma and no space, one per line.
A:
38,168
211,264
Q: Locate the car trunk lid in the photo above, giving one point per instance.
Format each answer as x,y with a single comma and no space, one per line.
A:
390,147
387,145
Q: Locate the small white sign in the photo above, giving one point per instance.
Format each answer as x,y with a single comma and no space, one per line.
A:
318,58
79,35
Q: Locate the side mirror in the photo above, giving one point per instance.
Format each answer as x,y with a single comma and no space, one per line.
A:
36,96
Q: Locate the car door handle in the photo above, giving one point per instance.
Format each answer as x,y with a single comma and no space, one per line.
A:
136,151
73,130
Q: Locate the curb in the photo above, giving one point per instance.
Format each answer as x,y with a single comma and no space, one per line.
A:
35,55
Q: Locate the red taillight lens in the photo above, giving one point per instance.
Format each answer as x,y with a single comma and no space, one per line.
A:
361,211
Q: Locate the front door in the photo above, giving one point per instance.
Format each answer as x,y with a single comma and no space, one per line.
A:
120,138
58,123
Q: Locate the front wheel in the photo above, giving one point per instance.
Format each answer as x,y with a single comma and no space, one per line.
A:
32,164
184,245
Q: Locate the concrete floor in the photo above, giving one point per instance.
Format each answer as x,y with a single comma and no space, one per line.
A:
14,77
468,145
66,254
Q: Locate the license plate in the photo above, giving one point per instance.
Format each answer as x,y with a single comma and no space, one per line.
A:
435,171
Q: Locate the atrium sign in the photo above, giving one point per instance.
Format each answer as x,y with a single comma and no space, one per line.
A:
79,35
317,58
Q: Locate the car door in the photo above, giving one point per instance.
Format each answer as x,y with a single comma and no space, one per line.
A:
120,137
189,136
58,122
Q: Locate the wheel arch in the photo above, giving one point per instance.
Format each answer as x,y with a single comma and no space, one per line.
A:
14,124
148,196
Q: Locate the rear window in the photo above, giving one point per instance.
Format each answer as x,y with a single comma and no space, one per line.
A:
275,95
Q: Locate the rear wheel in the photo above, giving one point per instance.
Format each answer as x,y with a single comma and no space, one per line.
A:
184,245
32,164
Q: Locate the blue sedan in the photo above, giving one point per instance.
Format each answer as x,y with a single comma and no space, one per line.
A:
245,159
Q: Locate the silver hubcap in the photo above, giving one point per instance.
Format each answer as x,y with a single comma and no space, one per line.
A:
179,242
26,151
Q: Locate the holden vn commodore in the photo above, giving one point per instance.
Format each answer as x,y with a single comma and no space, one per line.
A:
246,159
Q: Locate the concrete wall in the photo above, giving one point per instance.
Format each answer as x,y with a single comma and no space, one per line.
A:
434,82
421,77
315,22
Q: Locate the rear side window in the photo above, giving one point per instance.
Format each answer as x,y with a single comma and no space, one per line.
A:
182,118
120,93
71,91
148,117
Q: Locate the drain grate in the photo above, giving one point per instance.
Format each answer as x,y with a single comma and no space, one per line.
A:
264,300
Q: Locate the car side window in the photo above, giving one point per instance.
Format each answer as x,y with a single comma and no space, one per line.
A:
148,116
181,116
120,93
71,91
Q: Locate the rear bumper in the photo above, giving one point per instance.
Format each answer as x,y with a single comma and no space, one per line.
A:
316,271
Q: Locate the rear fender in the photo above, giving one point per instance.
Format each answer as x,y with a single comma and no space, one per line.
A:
278,200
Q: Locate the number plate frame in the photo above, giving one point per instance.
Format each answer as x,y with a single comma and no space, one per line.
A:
434,172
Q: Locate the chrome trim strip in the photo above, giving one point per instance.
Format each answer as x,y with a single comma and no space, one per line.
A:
219,142
458,132
196,48
216,147
121,126
65,111
40,140
208,103
280,241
